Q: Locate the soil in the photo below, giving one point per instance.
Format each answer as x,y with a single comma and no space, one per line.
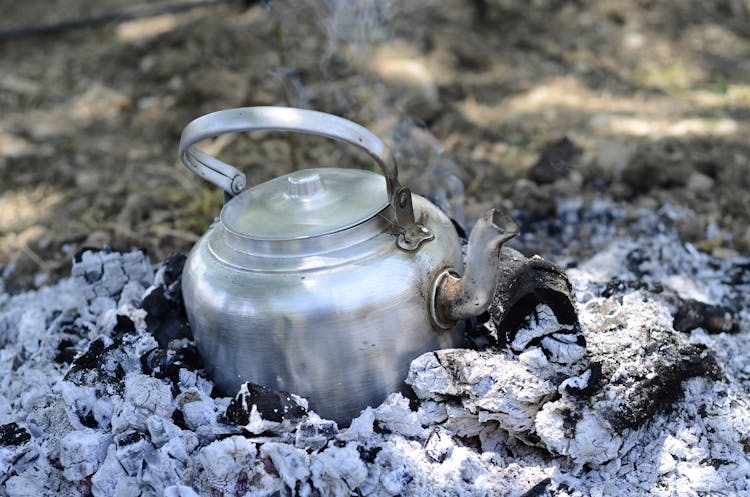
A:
526,103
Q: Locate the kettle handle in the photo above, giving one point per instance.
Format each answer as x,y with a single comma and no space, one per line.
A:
245,119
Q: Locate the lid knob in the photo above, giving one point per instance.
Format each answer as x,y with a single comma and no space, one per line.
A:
304,184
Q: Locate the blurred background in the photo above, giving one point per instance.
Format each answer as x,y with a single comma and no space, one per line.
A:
526,104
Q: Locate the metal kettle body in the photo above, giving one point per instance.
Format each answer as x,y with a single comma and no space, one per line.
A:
326,282
341,334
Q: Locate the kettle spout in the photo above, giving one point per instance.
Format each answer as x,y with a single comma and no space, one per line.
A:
456,298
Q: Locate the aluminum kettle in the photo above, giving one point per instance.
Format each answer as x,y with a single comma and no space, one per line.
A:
327,282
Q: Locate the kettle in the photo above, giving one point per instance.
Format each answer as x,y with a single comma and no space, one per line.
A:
327,282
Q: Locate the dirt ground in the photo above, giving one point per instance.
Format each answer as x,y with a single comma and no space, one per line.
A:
646,102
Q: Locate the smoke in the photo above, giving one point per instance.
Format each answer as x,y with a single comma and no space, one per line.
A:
370,67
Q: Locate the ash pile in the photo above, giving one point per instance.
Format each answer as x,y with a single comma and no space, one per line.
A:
640,388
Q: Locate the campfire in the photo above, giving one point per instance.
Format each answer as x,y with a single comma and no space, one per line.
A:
643,390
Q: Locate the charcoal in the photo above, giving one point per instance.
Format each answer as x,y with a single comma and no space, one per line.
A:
714,319
271,405
66,351
538,490
103,274
618,286
82,452
338,469
636,261
124,326
439,445
132,448
166,318
369,454
611,400
91,361
481,333
173,265
144,397
13,435
490,386
167,363
525,284
659,391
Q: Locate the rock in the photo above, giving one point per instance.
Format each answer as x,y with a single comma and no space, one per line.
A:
700,182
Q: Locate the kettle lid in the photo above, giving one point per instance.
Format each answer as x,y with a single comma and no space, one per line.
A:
306,204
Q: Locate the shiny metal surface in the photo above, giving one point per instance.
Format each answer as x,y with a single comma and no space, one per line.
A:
463,297
326,283
339,327
232,181
290,119
305,204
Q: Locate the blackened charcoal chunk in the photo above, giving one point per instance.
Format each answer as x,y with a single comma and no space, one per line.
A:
166,318
658,392
90,360
103,362
369,454
526,284
538,490
593,384
164,363
12,435
66,351
481,332
712,318
129,438
173,265
124,326
133,449
271,405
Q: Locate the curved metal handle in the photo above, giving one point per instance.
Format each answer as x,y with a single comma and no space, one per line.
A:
245,119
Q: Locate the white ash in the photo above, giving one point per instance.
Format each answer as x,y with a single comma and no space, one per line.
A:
91,404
